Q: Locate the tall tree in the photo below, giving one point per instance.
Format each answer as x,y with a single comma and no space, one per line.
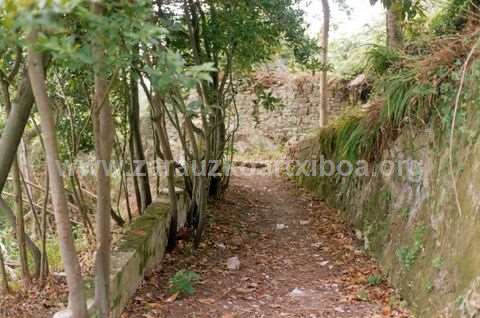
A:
323,110
5,81
77,301
20,231
142,183
394,26
102,119
14,127
395,15
160,129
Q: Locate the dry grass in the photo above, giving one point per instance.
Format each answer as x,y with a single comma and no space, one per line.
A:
406,97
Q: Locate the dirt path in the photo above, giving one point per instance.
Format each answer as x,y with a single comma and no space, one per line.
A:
297,260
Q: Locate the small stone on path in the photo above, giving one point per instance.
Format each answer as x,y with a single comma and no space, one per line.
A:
281,226
233,263
297,292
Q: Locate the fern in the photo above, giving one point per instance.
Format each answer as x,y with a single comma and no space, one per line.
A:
182,282
380,59
399,95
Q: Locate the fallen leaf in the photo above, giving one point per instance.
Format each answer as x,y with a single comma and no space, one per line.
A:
172,298
244,290
387,311
207,301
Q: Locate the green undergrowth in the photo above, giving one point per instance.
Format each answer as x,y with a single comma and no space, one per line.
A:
140,230
413,228
410,93
182,283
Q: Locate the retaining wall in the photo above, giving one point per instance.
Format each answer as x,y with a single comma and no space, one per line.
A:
139,252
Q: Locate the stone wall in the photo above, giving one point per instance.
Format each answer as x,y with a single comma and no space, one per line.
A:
139,252
300,95
425,243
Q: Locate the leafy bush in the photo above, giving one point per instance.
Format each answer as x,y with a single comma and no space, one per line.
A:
182,282
452,17
374,280
381,58
348,53
409,254
401,93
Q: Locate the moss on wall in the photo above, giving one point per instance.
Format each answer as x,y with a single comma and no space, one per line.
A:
415,229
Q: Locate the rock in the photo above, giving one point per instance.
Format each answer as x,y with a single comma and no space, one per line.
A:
316,245
339,309
233,263
281,227
471,306
357,81
297,292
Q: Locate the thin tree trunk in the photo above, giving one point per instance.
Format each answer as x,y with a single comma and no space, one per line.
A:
36,223
202,199
136,186
20,231
17,220
14,127
17,184
76,302
103,134
44,259
10,215
81,205
203,185
394,26
136,140
127,197
161,131
3,275
323,110
27,179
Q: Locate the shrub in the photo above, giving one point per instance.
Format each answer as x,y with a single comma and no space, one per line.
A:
182,282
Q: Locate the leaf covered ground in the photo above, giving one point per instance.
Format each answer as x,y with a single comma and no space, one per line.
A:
297,259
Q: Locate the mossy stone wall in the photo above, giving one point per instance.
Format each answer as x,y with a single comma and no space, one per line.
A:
427,246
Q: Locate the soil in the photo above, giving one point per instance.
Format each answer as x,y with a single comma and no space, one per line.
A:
298,258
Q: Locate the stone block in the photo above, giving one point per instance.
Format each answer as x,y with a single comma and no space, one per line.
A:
138,253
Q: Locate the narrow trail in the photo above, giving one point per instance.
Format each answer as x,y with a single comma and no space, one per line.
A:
298,259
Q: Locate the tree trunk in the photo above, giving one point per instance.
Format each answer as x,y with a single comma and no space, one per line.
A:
27,179
14,127
102,119
394,26
34,250
3,275
323,111
161,131
17,220
201,196
20,230
138,153
136,186
17,184
76,302
44,258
